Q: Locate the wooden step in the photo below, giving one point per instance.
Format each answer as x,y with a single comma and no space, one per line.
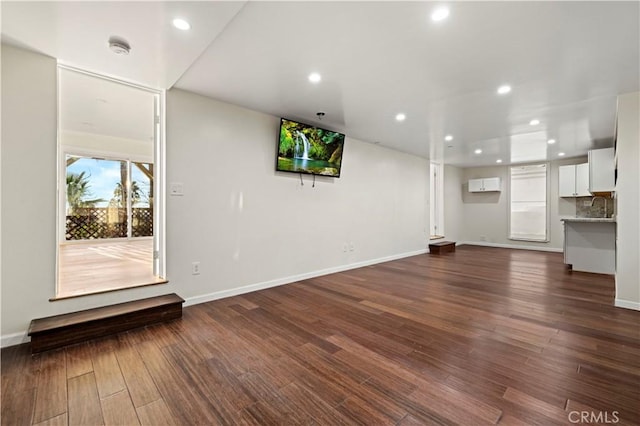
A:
442,247
62,330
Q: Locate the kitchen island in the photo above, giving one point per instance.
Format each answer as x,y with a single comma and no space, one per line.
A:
590,244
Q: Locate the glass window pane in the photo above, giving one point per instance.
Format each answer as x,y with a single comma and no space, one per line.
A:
141,199
95,200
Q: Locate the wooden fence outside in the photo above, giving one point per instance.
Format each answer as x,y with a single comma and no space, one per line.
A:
108,222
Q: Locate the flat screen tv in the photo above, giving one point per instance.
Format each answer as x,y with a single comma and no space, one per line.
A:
303,148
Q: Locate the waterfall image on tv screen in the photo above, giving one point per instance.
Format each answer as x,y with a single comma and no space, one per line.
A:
303,148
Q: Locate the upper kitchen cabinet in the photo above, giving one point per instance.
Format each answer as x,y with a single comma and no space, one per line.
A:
484,185
573,180
602,170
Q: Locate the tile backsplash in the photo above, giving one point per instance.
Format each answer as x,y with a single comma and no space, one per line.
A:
585,209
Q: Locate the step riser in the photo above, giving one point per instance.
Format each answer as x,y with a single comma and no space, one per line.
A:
47,334
82,332
442,248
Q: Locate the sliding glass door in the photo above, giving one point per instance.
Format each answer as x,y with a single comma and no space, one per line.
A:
108,198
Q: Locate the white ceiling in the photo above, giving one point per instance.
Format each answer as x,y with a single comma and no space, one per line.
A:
78,32
566,62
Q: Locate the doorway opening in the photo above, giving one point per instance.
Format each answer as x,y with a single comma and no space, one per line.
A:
436,202
110,219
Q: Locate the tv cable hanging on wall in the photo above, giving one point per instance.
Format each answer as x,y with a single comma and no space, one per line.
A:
314,181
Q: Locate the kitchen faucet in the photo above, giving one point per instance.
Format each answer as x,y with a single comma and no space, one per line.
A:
605,204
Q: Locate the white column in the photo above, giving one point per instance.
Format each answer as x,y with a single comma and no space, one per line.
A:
628,202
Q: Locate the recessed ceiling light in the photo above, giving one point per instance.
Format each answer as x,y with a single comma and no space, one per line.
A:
498,161
551,141
534,122
478,151
440,14
448,138
314,77
181,24
504,89
561,154
400,117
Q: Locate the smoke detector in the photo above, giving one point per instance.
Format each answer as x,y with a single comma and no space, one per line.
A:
119,46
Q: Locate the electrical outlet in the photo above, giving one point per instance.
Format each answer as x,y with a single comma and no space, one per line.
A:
352,247
195,268
483,238
586,203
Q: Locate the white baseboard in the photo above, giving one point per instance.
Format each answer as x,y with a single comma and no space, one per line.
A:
294,278
14,339
627,304
510,246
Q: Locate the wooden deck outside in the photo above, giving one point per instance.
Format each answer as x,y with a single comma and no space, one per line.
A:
99,267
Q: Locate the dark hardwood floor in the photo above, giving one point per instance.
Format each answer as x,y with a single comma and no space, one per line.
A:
479,336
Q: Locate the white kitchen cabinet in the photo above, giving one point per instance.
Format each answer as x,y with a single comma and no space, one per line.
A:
573,180
582,180
602,170
475,185
484,185
491,184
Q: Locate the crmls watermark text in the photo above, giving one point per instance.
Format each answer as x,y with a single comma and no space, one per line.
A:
593,417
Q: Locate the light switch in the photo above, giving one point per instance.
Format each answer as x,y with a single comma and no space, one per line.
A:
176,189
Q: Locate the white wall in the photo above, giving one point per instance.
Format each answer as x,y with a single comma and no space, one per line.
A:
248,226
119,147
628,202
453,206
486,215
28,179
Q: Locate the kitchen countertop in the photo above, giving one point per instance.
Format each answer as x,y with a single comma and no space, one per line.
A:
589,219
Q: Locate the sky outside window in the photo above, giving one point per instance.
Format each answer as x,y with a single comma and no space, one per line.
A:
104,176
